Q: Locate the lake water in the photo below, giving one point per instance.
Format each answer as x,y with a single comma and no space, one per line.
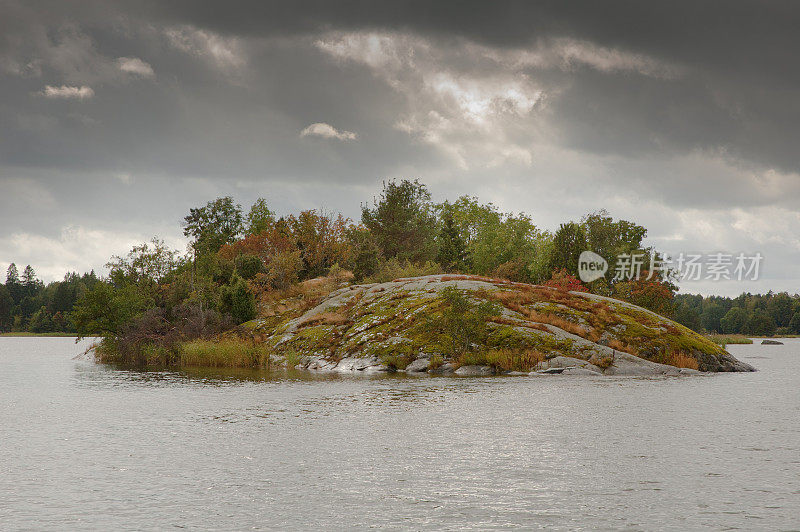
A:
83,446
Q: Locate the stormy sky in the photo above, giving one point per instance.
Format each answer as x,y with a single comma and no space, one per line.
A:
117,117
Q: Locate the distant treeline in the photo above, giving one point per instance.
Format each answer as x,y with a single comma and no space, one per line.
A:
755,315
240,259
28,305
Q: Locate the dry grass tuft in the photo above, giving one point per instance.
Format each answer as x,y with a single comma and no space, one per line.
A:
527,324
224,353
338,317
503,359
682,360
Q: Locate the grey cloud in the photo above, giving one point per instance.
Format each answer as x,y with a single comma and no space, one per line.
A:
549,107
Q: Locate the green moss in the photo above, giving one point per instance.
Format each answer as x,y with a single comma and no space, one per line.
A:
377,318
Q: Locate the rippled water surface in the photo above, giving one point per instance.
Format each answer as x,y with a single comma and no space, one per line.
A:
83,446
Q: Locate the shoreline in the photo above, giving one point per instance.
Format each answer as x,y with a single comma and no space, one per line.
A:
37,335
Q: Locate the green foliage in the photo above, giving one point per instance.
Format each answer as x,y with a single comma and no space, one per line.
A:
105,309
712,314
396,269
219,222
609,239
462,322
238,301
755,314
494,239
6,309
260,218
568,243
367,255
452,248
403,221
12,274
248,266
145,264
761,324
734,321
794,323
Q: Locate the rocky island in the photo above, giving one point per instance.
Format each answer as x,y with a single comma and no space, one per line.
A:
471,325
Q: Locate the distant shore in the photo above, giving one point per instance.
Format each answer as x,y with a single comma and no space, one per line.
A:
26,334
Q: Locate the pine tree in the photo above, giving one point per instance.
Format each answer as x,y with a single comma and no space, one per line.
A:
28,276
12,275
452,249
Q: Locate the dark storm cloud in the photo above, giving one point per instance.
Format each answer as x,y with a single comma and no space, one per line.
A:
119,116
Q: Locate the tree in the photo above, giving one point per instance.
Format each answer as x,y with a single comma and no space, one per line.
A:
12,275
29,277
761,324
779,307
734,321
403,221
366,254
238,301
321,239
654,294
218,223
711,316
687,316
568,243
260,218
6,309
500,244
794,323
452,248
104,309
248,266
148,263
608,238
41,321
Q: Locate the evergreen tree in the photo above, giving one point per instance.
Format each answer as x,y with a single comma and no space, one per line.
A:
6,309
260,218
452,248
403,221
12,275
568,243
238,301
28,276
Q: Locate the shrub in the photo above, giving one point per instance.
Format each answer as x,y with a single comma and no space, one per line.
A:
512,271
562,280
248,266
397,269
462,322
238,301
282,270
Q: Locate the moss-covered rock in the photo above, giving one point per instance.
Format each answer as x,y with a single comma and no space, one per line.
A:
390,325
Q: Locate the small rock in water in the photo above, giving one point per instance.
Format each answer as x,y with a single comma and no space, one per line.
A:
579,371
771,342
420,365
551,371
444,369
